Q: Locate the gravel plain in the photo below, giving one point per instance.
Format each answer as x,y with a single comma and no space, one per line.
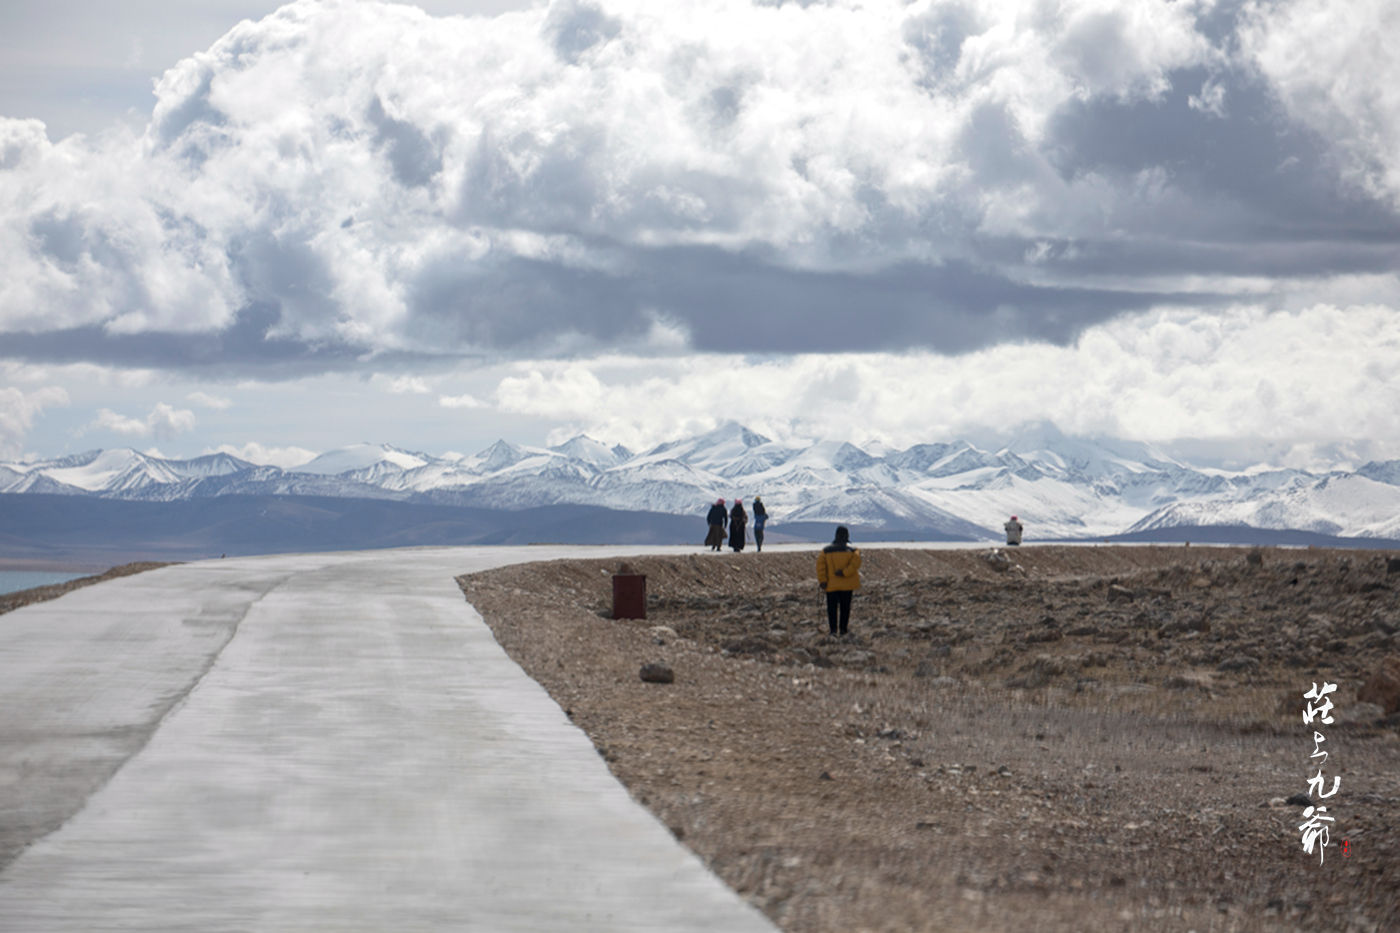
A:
1049,738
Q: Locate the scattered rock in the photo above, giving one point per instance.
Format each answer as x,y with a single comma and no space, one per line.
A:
1255,558
1240,662
1198,623
661,634
1120,594
1359,713
658,674
926,669
998,561
1039,672
1392,565
951,629
752,644
1383,687
1299,800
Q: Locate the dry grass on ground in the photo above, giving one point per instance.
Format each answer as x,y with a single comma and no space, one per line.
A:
1096,738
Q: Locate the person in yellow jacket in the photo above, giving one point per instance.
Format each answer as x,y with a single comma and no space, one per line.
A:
838,575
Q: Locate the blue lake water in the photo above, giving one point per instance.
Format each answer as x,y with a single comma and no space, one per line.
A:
12,581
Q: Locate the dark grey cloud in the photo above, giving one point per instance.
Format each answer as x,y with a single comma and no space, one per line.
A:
732,302
1248,173
576,26
936,36
245,347
414,157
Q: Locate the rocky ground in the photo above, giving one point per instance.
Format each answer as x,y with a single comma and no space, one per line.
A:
1066,738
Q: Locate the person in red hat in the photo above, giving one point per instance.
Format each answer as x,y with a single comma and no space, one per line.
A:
1013,532
716,519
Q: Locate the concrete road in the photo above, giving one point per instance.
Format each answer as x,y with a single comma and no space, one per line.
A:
325,742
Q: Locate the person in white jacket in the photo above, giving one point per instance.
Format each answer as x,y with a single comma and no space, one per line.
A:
1013,531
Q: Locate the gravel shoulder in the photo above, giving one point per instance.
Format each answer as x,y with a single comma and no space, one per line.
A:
1088,738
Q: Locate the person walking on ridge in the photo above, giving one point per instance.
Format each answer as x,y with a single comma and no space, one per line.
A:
738,521
838,576
1013,532
716,520
760,518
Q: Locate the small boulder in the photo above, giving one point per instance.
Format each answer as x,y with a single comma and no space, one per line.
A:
658,674
998,561
1383,687
1120,594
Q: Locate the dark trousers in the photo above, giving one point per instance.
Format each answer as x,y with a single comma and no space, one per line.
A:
838,610
758,536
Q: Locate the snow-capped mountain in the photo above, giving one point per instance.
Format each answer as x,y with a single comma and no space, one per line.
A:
1061,487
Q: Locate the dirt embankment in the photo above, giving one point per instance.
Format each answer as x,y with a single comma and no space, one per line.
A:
1092,738
12,601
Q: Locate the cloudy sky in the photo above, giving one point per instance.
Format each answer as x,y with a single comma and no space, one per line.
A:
229,225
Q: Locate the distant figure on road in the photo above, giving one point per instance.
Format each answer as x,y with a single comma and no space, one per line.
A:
1013,531
838,576
760,518
716,519
738,521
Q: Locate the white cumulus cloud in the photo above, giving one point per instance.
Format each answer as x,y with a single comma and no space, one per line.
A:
163,421
19,408
347,176
1322,374
1336,67
465,400
265,455
204,399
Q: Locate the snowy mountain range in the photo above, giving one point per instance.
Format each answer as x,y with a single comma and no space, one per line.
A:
1061,487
